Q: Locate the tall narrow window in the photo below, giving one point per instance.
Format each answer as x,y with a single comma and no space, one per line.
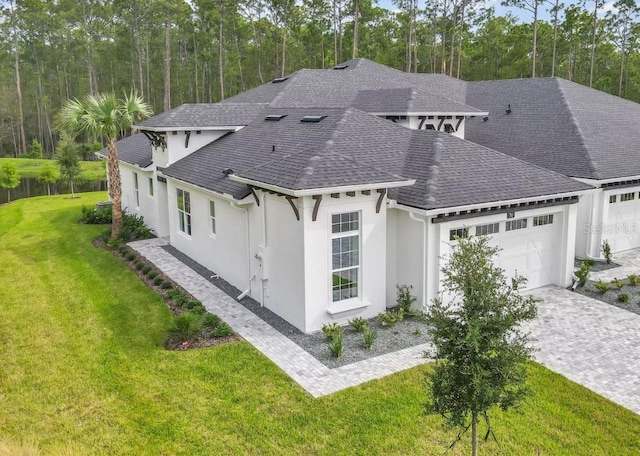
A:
345,255
212,216
184,212
136,189
151,186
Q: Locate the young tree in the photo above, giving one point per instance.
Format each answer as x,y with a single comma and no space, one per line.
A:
35,151
480,351
106,117
68,162
9,178
48,176
531,6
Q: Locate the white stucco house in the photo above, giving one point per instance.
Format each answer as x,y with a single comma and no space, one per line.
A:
317,193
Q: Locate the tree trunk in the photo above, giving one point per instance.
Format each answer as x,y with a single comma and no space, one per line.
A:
454,20
284,50
115,187
167,64
555,38
16,55
535,38
593,41
221,54
460,38
621,72
356,22
474,435
195,73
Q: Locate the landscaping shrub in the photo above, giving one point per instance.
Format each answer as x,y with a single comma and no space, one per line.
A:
222,330
368,338
583,273
390,317
210,321
195,307
133,228
405,299
606,251
167,285
157,281
359,324
123,249
633,279
152,274
332,330
623,298
617,283
184,327
601,286
130,256
590,262
335,346
100,216
145,269
138,265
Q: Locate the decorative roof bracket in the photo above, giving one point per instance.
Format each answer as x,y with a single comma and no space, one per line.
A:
316,206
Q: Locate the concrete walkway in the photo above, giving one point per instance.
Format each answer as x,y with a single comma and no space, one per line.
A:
590,342
630,264
308,372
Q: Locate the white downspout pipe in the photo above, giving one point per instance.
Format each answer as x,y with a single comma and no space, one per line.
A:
424,256
246,211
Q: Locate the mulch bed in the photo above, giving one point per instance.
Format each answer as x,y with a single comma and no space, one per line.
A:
206,339
612,296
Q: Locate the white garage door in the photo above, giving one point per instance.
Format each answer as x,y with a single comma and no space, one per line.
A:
529,248
622,227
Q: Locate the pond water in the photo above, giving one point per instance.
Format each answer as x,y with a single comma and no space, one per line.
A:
31,187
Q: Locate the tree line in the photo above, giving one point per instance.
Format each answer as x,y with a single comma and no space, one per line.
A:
174,52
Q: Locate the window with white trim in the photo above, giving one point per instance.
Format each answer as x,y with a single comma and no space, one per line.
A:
627,196
458,233
512,225
151,186
543,220
184,211
613,199
345,255
491,228
212,216
136,189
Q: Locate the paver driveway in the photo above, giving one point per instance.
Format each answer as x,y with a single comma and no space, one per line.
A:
592,343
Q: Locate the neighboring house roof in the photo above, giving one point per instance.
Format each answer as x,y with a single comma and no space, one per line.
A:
350,148
134,149
203,115
559,125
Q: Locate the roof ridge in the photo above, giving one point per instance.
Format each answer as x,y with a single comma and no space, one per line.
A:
591,163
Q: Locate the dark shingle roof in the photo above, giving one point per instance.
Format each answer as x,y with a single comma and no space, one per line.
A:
134,149
341,150
559,125
202,115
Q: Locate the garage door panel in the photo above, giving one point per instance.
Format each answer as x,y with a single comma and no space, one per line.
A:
621,229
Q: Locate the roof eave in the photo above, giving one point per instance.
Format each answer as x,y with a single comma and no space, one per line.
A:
430,113
321,190
192,128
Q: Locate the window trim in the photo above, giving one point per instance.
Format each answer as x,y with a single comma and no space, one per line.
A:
491,228
546,219
152,191
136,189
184,214
212,219
516,224
338,303
631,196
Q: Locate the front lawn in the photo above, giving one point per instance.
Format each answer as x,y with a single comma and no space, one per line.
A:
83,371
30,167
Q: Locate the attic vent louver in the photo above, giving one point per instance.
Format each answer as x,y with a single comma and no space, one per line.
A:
340,67
275,117
277,80
315,119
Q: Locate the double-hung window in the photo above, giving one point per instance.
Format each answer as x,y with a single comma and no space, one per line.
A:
184,211
345,255
136,188
212,216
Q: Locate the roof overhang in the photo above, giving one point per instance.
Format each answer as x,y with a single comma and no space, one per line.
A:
227,196
193,128
321,190
600,182
425,113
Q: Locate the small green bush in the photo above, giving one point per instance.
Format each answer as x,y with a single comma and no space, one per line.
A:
417,332
184,327
130,256
368,338
601,286
145,269
158,281
195,306
617,283
133,228
583,273
623,298
100,216
222,330
332,330
210,321
390,317
590,262
152,274
335,346
633,279
123,249
404,298
166,285
359,324
606,251
138,265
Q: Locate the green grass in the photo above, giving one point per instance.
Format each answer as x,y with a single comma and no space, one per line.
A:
30,167
82,371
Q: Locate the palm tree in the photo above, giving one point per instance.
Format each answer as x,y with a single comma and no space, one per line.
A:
106,117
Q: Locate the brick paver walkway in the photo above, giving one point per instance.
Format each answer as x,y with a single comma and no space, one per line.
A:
307,371
630,264
590,342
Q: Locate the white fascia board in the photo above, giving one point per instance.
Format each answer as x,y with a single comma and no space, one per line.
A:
600,182
444,210
206,190
431,113
321,190
168,129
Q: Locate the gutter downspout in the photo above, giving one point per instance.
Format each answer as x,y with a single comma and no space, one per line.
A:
246,211
424,256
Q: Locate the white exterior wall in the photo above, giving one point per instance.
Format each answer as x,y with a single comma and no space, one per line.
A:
175,145
226,252
317,260
621,220
148,207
